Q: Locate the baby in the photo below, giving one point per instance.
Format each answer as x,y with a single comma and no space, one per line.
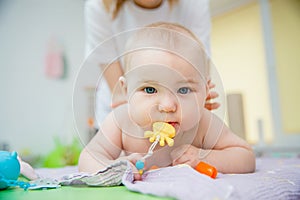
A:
166,80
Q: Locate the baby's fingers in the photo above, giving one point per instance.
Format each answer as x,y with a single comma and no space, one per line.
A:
137,176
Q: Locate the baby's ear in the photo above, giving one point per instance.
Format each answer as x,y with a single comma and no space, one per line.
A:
123,84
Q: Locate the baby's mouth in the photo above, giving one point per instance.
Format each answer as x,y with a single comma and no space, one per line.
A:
174,124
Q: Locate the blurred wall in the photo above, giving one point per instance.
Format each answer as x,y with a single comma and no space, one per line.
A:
265,73
238,53
34,108
286,27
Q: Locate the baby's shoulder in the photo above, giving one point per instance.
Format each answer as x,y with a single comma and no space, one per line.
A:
121,110
120,114
207,119
123,121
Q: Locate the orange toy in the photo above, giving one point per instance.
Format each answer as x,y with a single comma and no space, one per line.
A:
206,169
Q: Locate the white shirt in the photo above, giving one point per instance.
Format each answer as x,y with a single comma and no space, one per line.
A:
193,14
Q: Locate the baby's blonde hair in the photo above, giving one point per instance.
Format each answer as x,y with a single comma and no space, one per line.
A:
170,37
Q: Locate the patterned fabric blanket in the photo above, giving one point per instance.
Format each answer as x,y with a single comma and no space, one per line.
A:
275,178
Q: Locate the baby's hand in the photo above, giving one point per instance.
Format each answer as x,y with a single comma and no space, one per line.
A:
133,158
26,170
186,154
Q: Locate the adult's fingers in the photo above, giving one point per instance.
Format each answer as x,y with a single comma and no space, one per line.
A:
212,95
212,106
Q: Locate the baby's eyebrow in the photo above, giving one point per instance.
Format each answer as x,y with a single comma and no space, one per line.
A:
190,80
147,81
186,81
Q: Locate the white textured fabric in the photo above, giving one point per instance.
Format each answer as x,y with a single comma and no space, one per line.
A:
110,176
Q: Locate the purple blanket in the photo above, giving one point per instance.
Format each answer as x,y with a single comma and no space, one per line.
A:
180,182
275,178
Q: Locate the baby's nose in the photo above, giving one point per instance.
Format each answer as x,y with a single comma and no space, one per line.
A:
168,103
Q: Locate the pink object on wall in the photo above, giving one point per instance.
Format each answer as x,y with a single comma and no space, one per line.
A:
54,66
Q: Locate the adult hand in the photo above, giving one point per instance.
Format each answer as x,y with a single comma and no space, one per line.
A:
26,170
211,95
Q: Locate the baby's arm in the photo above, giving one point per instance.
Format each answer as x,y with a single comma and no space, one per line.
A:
230,153
103,149
220,148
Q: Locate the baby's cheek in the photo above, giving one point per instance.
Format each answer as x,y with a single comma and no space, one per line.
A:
140,115
191,115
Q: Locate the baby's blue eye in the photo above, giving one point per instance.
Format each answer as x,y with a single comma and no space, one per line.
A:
184,90
150,90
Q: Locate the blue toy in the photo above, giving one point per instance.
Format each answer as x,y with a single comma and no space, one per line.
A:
10,170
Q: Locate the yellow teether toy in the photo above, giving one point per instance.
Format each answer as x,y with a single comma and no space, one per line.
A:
164,131
161,132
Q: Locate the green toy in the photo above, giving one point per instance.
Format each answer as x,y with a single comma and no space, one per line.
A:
63,155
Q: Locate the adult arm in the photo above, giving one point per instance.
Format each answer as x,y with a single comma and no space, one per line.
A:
112,75
98,25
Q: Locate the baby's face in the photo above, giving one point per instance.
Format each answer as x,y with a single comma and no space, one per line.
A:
164,87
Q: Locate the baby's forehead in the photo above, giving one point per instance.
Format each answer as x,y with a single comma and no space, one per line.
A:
162,67
160,58
149,42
